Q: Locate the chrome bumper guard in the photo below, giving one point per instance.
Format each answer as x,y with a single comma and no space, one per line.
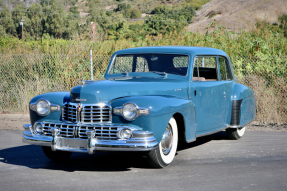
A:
140,141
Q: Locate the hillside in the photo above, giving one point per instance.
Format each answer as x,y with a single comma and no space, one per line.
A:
236,14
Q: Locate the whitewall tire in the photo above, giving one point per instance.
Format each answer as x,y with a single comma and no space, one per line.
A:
235,133
165,153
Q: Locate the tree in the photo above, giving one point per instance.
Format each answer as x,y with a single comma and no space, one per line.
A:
36,21
56,23
123,7
7,22
133,13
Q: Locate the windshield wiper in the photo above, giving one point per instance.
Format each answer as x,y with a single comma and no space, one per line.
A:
160,73
124,72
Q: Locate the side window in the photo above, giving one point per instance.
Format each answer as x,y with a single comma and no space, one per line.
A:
225,73
205,68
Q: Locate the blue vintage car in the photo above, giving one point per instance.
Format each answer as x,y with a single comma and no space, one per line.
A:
151,98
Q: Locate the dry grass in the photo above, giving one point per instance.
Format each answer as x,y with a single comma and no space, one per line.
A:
270,98
16,100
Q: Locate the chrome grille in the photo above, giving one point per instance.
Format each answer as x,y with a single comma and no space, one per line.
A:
96,113
102,132
65,130
69,112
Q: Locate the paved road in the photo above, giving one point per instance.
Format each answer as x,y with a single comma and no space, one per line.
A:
256,162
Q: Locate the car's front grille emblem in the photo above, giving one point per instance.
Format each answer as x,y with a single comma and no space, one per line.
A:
79,107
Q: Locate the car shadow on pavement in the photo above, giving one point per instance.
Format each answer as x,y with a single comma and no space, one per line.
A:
32,156
203,140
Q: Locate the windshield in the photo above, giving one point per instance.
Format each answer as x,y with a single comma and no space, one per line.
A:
157,63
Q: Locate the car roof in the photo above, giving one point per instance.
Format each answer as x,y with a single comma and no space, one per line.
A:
192,50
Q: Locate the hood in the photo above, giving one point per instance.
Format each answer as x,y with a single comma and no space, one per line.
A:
106,90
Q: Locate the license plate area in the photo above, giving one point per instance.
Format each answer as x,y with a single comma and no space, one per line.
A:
67,144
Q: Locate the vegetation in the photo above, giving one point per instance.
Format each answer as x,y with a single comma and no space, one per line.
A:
61,19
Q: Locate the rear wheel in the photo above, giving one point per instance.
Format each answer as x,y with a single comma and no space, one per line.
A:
56,155
165,153
235,133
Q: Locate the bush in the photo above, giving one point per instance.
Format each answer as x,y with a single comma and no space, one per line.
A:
109,13
123,7
133,13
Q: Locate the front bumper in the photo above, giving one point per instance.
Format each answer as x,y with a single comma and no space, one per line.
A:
140,141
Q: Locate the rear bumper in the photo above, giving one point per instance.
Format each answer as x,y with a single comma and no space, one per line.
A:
140,141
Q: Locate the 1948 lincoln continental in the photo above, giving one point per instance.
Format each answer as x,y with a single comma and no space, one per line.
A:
151,98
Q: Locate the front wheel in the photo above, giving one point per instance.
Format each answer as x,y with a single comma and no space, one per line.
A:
165,153
56,155
235,133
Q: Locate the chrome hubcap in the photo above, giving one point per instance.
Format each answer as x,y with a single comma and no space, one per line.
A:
166,142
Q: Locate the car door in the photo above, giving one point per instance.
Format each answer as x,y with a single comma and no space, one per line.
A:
226,79
208,93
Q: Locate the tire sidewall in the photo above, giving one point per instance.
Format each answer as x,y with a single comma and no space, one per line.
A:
240,132
167,159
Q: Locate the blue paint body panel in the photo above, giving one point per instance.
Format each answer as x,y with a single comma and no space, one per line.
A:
54,97
161,109
204,106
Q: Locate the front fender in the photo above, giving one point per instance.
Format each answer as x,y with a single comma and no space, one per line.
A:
57,98
161,109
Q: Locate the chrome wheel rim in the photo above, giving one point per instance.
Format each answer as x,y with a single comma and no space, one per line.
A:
167,139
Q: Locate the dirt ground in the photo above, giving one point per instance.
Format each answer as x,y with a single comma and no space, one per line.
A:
16,122
238,14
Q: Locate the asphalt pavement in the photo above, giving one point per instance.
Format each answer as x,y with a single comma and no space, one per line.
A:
256,162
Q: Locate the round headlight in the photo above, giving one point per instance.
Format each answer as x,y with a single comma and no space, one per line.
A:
129,111
125,134
38,128
43,107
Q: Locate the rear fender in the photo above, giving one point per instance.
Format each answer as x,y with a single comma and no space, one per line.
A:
243,109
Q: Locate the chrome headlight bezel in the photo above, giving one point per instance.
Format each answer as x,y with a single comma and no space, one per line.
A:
126,113
50,107
47,107
138,111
